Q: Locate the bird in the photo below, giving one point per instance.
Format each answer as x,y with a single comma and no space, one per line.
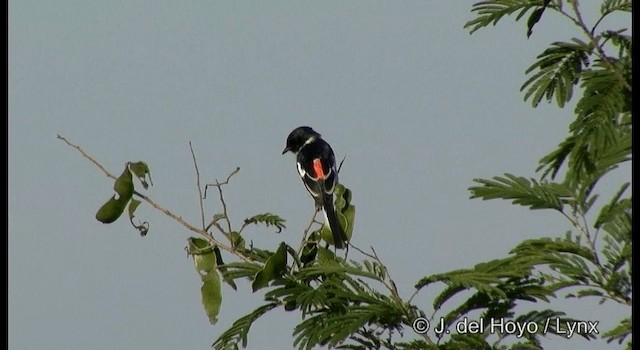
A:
316,164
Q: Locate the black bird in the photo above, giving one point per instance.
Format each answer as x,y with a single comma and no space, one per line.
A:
316,165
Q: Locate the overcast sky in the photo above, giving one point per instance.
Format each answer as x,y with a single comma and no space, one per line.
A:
417,105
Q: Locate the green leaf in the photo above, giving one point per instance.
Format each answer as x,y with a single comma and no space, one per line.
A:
110,211
614,208
326,256
237,270
114,207
124,185
310,250
620,332
478,278
141,171
535,17
590,292
559,69
619,40
552,162
223,269
541,247
609,6
203,257
604,95
274,268
132,207
530,193
236,240
267,219
212,297
550,320
329,266
143,228
466,341
205,262
238,332
345,212
492,11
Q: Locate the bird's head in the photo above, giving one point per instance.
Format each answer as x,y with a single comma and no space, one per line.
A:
299,137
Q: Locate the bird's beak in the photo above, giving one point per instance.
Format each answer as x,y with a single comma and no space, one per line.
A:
286,149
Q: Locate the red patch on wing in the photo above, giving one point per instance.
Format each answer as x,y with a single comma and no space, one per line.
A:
317,168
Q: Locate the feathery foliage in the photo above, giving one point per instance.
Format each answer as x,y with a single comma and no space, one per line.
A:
355,304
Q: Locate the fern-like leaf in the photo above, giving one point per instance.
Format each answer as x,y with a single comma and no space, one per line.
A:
525,192
558,70
610,6
491,12
620,332
238,332
267,219
619,40
235,270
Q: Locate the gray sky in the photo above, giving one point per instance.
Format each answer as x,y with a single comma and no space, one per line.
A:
418,106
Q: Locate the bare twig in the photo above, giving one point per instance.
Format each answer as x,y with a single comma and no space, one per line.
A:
306,231
219,185
388,282
391,286
200,199
342,161
160,208
415,292
84,154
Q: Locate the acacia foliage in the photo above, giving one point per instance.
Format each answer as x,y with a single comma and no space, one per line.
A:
355,304
338,301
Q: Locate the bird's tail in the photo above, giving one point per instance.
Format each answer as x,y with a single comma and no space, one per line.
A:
332,218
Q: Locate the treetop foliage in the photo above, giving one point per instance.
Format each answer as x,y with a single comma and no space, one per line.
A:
353,303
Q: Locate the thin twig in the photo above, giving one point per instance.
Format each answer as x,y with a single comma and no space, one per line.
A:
342,161
390,286
393,289
595,236
600,52
84,154
160,208
200,199
415,293
306,231
592,242
226,182
574,222
219,185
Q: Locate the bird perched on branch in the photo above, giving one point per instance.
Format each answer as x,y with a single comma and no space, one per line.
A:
316,165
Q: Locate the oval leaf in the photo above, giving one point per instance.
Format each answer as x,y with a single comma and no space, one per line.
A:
141,171
205,262
212,296
110,211
274,268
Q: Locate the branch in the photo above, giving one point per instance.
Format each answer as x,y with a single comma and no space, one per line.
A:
305,233
584,231
160,208
342,161
391,286
84,154
221,196
200,199
578,21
